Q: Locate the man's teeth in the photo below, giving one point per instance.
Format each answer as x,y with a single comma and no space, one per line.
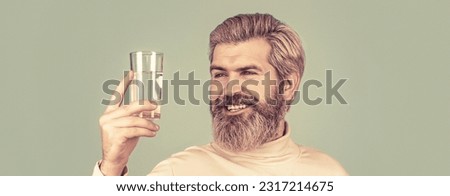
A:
236,107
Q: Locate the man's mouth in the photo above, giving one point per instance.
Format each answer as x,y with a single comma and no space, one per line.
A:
236,108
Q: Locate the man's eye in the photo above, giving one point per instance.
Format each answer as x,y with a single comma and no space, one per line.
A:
248,73
219,75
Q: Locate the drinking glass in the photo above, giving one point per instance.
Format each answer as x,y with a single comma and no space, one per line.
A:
148,80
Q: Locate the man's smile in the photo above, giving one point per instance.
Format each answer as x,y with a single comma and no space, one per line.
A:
236,109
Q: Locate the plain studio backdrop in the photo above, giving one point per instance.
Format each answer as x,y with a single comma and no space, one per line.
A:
56,55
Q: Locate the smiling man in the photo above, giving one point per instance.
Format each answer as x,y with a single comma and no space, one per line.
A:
256,66
244,117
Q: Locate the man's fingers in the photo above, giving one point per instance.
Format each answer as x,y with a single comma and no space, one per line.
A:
121,88
138,132
132,121
128,110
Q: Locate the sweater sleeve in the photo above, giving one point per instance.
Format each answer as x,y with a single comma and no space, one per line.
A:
98,172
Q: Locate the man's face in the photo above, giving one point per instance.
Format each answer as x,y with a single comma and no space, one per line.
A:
243,116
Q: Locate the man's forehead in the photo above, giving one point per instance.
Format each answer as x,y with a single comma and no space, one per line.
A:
254,52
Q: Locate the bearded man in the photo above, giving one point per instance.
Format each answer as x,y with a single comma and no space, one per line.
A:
256,66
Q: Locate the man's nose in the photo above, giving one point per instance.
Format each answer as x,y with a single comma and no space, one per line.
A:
233,85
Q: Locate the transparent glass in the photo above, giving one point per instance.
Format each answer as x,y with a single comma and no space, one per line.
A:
148,80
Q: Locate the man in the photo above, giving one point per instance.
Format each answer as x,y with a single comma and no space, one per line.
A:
256,66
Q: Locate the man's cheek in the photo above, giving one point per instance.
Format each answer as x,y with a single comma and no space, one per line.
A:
215,88
253,88
215,99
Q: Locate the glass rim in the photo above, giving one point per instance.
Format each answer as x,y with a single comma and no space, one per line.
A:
147,52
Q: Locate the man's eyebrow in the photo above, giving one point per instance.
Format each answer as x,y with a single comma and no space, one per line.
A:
212,67
249,67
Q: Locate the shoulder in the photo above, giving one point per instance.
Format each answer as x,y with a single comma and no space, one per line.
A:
191,159
320,163
193,153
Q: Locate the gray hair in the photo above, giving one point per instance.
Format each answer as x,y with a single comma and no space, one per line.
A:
286,56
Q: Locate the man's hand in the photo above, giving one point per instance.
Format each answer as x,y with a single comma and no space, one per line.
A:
121,128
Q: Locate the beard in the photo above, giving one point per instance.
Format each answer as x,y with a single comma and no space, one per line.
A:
251,129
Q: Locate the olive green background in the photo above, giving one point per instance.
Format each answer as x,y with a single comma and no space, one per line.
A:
55,56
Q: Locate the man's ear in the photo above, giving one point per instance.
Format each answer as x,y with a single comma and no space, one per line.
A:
289,86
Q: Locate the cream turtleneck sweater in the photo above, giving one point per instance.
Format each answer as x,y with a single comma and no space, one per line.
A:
279,157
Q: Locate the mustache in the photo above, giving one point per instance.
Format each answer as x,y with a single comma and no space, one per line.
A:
236,99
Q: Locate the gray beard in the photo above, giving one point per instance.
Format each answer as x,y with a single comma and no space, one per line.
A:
246,132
